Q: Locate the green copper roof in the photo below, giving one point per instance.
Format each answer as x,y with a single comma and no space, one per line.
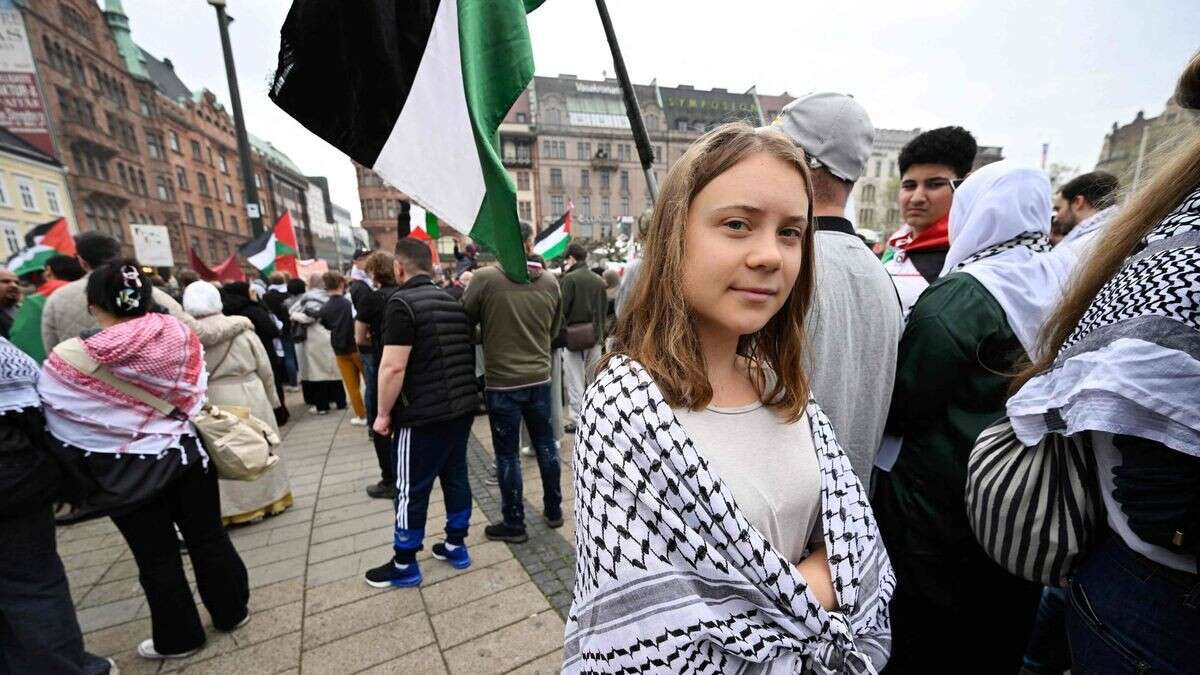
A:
118,25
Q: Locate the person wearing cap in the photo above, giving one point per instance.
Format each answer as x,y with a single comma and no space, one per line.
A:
855,322
360,281
930,167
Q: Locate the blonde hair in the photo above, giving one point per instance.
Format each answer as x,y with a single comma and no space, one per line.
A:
657,329
1178,176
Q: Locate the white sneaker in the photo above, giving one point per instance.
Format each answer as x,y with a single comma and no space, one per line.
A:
527,451
312,408
358,422
146,651
112,667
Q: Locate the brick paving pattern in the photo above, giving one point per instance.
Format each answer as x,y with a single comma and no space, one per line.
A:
311,610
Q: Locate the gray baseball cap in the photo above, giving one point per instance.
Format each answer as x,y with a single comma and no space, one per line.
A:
833,129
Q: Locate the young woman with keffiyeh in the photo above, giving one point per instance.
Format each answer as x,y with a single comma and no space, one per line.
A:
146,469
720,527
1120,362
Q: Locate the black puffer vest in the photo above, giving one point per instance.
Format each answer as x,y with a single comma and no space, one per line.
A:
439,381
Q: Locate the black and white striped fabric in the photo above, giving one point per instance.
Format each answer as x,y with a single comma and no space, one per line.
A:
672,578
1037,242
1033,509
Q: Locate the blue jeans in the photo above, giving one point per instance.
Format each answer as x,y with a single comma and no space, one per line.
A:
506,410
1129,614
1048,652
290,365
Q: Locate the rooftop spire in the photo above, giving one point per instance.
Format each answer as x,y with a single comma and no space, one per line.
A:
118,25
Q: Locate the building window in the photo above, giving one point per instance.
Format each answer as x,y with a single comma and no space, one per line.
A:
173,139
196,151
526,210
154,145
605,180
233,224
212,249
210,219
585,207
3,193
228,194
554,116
75,21
221,162
625,181
866,217
202,183
181,178
878,167
556,205
556,178
141,180
25,189
160,183
189,214
523,180
581,152
658,154
892,216
11,236
257,181
53,201
585,180
624,206
868,194
604,207
522,118
393,208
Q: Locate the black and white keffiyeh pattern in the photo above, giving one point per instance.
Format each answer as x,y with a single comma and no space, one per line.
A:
1132,365
672,578
1037,242
18,379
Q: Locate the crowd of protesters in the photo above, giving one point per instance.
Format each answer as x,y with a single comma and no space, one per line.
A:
774,429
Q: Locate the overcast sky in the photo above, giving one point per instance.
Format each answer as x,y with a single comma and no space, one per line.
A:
1017,74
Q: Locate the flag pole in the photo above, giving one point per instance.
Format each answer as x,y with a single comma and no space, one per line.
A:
640,138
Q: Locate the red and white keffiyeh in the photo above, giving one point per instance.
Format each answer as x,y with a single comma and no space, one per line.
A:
155,352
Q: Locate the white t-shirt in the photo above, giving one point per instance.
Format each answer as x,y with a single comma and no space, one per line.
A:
770,466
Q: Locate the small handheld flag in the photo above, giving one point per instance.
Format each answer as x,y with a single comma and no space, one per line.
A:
552,242
274,250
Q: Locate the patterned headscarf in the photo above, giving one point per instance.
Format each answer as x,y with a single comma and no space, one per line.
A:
18,379
1132,364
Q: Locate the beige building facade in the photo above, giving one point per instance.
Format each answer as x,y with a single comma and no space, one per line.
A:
33,191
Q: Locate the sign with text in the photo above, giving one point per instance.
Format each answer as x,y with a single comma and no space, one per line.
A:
22,110
152,245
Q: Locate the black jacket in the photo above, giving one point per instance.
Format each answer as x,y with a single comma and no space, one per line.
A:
338,316
439,381
264,325
29,477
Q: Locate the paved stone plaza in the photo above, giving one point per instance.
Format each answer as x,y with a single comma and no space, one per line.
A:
311,610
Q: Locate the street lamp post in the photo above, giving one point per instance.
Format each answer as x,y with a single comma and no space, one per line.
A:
253,211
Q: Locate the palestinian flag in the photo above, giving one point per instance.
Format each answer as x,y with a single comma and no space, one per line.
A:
552,242
416,91
423,224
274,250
42,243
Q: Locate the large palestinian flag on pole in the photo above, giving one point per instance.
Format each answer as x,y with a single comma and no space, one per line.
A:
552,242
274,250
42,243
416,91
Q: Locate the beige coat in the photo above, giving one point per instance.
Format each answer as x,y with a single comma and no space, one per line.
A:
66,314
317,361
239,371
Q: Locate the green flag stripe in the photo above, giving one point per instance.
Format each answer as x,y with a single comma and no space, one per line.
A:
497,63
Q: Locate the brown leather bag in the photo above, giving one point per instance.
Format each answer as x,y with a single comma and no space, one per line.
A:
581,336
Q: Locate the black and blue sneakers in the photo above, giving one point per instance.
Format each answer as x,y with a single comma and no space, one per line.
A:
391,574
458,556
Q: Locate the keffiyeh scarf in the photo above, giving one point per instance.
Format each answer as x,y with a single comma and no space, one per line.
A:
671,577
18,379
155,352
1037,242
1132,365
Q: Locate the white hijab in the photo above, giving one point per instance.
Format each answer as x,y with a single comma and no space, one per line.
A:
996,204
201,299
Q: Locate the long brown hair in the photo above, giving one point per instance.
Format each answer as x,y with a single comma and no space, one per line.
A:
657,328
1178,176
